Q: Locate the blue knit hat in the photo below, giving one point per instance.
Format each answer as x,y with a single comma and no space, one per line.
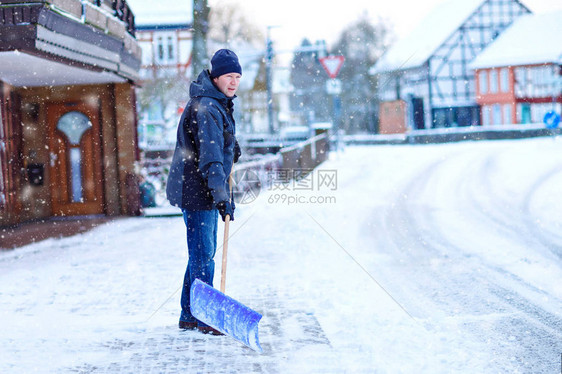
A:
223,62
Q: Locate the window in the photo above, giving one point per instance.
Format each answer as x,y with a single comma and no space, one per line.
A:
504,80
507,114
493,81
520,81
496,114
483,81
73,125
160,49
485,115
166,49
171,50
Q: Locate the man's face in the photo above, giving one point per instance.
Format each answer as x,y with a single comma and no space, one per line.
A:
228,83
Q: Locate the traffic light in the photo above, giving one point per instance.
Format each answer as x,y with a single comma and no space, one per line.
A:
269,50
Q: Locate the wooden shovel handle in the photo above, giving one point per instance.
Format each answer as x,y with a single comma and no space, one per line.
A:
224,253
225,239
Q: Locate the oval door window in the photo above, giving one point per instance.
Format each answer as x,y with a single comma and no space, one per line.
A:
73,125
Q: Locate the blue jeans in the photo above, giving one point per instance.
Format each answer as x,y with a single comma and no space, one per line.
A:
202,245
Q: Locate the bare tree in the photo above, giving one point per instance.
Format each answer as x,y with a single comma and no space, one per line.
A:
163,93
361,43
229,24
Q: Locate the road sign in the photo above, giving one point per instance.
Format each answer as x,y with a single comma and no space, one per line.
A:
333,86
332,65
551,119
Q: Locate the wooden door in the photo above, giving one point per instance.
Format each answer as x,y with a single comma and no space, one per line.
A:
75,167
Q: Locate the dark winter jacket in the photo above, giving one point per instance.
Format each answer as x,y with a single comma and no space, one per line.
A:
204,152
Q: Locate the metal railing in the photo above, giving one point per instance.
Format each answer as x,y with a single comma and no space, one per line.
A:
120,10
295,161
123,12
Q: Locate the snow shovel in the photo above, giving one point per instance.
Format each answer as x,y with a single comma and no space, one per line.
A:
223,313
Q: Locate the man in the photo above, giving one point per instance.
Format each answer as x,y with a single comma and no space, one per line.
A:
198,181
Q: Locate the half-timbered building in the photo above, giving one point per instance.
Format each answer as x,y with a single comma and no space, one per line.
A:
425,80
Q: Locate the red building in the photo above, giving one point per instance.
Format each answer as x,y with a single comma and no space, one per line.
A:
519,76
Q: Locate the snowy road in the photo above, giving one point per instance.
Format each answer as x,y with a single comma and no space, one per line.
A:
476,238
422,259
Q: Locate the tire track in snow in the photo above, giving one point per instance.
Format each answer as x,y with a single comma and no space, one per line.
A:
549,239
465,282
511,214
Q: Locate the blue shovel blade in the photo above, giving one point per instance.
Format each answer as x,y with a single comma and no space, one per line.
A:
225,314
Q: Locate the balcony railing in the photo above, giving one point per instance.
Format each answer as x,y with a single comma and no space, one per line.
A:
117,8
121,10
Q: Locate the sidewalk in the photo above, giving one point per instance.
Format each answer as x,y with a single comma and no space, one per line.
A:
107,300
31,232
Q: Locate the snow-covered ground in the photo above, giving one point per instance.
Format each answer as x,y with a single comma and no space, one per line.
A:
421,259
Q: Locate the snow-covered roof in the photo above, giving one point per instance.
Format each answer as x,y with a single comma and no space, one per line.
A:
531,39
416,48
161,12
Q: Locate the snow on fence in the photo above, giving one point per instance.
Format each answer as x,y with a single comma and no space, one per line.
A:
307,154
295,160
456,134
249,176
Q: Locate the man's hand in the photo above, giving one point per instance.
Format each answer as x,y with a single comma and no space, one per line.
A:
225,208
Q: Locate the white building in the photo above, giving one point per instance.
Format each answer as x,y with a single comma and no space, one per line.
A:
163,30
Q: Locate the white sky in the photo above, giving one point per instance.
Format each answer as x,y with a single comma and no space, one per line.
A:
319,19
